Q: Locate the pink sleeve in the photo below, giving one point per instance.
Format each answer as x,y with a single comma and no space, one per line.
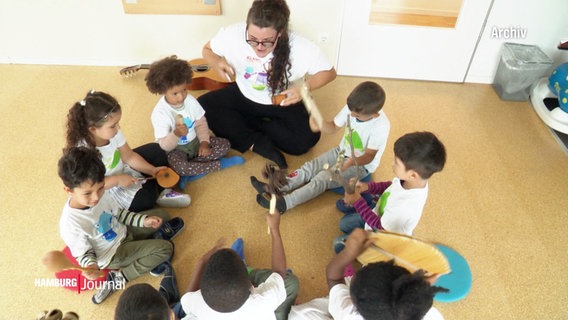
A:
202,129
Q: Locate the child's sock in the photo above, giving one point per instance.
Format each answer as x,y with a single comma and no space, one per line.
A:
231,161
183,180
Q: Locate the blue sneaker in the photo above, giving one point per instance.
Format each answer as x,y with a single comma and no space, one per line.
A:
160,269
347,208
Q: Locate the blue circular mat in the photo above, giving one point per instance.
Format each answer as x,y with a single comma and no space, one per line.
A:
458,281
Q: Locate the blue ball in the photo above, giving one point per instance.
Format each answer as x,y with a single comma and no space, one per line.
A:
563,99
558,79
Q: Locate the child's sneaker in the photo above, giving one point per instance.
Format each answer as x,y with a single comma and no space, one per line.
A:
168,285
345,207
259,186
170,229
173,199
115,281
264,201
159,269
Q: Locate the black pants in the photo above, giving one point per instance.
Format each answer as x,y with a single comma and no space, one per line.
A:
146,197
243,122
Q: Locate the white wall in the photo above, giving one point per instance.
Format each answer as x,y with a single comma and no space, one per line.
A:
545,23
97,32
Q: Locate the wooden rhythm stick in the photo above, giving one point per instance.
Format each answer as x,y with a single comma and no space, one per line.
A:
310,103
406,251
276,180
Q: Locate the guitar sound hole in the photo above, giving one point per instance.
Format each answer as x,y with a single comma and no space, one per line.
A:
201,68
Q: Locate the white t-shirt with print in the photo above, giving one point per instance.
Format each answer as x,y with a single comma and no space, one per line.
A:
164,118
251,71
371,134
92,228
114,166
400,209
261,304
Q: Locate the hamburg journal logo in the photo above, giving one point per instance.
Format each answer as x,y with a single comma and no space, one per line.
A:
80,283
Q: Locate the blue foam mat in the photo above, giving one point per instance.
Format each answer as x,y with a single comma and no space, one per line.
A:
458,281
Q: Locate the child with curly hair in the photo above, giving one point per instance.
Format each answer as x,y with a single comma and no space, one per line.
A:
180,126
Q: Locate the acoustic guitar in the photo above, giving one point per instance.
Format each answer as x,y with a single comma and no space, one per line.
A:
204,77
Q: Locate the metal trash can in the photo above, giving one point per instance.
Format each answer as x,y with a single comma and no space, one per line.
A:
521,65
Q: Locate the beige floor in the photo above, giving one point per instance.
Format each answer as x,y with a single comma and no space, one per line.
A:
502,200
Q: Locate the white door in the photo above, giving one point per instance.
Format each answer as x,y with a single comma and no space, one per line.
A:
409,51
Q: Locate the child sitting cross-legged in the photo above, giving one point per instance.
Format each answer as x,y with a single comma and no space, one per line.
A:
180,125
418,156
101,234
365,136
222,288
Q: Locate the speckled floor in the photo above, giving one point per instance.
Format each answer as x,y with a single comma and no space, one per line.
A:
501,201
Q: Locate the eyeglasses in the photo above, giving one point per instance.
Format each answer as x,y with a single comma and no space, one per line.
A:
266,44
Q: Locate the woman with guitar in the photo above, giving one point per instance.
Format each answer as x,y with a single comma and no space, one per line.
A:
262,111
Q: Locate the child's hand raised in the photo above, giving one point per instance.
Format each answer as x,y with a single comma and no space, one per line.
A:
273,221
152,222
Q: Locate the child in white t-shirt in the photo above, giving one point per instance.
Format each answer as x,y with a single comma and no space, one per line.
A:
370,128
94,122
380,288
418,156
222,288
180,126
101,234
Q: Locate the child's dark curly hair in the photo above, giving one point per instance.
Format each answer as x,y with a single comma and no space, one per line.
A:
167,73
80,164
385,291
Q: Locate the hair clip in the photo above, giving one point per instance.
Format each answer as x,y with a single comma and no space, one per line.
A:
92,91
83,102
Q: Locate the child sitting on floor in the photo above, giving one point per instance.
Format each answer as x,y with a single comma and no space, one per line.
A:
94,122
418,156
101,234
379,288
370,128
222,288
180,126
